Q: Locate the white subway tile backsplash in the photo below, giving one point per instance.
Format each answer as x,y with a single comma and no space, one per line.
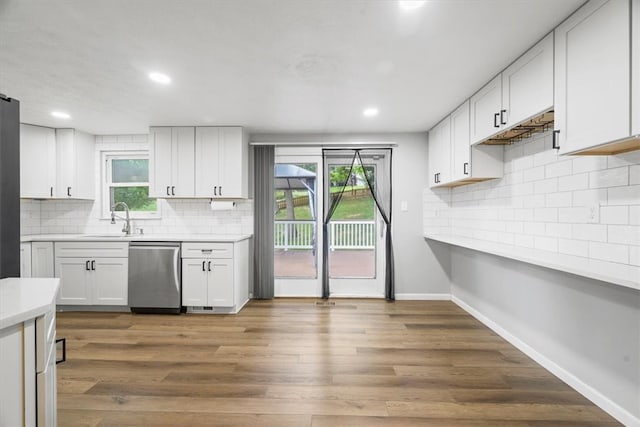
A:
547,201
614,214
609,177
573,182
609,252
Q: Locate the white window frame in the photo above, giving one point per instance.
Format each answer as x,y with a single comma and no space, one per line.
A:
106,158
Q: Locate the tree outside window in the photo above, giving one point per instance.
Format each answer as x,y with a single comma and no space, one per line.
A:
127,180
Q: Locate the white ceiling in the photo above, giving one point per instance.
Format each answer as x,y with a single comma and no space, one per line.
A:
269,65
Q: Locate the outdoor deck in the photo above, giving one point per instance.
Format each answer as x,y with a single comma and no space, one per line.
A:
343,263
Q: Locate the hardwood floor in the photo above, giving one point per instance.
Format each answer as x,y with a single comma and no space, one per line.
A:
291,362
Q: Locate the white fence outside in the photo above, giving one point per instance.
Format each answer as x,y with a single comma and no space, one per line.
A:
342,234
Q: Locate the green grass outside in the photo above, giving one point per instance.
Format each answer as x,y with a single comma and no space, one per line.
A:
361,208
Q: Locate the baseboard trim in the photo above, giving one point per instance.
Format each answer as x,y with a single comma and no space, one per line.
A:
606,404
423,297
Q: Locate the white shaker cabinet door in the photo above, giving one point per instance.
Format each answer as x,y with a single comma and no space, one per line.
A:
527,85
74,274
207,161
194,282
109,278
232,163
183,162
461,159
220,284
486,107
160,156
42,259
592,74
440,153
37,162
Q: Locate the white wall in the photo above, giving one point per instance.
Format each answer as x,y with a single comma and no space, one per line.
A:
589,330
421,269
178,216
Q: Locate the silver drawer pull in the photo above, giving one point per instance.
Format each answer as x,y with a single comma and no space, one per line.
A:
206,251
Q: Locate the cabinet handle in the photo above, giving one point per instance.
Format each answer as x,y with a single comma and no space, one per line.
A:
209,266
435,178
495,120
168,193
502,112
86,266
69,191
554,140
465,168
64,350
220,190
203,263
93,265
215,190
173,191
51,191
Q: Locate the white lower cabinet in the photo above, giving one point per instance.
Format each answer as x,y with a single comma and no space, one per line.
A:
92,273
25,259
215,275
42,259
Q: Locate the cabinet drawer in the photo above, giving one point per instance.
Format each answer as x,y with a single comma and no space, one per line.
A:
207,250
92,249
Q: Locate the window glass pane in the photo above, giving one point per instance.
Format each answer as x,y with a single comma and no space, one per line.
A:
130,170
137,198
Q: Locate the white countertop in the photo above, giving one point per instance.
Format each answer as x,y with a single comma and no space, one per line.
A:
24,299
618,274
136,237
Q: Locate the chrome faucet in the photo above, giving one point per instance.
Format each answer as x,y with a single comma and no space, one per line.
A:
127,226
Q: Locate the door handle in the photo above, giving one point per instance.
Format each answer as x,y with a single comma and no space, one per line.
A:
495,120
173,191
69,191
203,263
168,194
93,265
86,266
465,168
554,140
502,113
209,266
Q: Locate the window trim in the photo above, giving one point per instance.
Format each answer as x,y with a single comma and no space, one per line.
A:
106,184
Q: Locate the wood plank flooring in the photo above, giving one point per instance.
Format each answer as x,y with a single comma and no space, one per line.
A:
291,362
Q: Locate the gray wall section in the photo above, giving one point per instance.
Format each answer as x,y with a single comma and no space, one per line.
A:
589,328
420,268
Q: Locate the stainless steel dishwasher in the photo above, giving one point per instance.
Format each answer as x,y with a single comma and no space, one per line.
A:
154,277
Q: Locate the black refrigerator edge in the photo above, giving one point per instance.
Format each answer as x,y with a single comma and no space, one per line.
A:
9,187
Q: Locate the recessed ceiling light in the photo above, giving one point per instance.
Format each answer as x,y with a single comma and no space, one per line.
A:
163,79
411,4
370,112
60,115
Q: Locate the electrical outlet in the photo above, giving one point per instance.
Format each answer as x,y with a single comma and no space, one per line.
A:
593,214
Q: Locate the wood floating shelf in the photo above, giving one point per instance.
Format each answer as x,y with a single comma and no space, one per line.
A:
538,124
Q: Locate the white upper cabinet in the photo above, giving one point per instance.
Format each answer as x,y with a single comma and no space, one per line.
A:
56,163
460,137
635,69
37,162
522,91
75,164
486,106
453,161
171,158
527,85
440,153
592,75
221,162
